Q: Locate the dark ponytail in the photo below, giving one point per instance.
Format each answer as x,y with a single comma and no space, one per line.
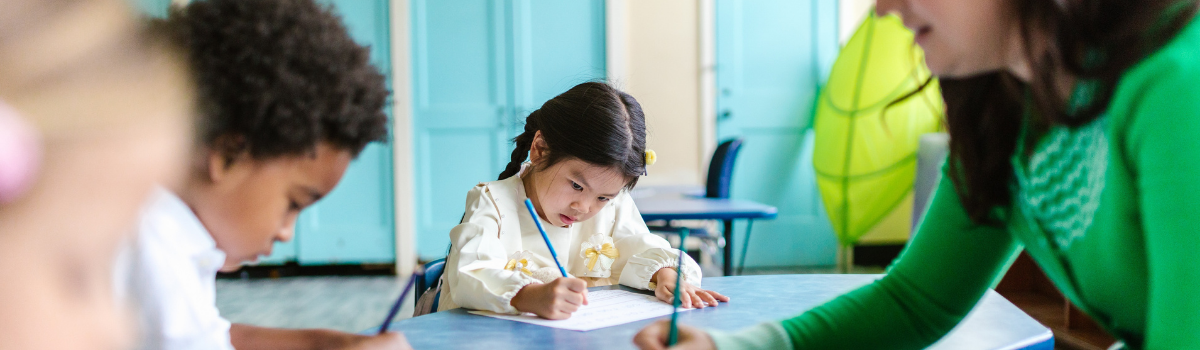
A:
523,142
592,122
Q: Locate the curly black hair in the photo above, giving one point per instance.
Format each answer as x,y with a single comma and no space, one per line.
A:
278,77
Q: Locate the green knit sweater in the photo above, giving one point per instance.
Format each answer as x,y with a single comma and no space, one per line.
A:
1109,211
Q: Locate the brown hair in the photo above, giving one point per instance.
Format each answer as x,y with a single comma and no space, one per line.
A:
1093,40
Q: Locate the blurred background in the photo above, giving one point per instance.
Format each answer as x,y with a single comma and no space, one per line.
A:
464,74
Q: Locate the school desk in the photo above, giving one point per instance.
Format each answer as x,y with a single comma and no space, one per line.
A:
682,203
993,324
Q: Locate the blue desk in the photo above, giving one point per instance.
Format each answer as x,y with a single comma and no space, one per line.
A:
993,324
681,203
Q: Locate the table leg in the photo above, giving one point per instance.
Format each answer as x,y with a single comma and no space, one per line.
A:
728,261
745,246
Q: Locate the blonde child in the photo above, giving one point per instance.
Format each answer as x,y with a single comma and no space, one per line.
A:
92,115
587,148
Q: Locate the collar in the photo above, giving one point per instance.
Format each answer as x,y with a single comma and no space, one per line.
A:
189,235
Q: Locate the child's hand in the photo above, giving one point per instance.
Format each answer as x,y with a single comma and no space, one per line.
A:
245,336
690,297
555,300
654,337
386,341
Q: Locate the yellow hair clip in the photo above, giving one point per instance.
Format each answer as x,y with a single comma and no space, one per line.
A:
651,157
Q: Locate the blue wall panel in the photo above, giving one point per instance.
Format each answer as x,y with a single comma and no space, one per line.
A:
461,93
561,44
772,57
480,67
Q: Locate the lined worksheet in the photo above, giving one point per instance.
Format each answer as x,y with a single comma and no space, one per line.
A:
605,308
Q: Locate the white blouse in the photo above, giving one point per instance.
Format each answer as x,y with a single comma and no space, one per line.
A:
497,249
169,274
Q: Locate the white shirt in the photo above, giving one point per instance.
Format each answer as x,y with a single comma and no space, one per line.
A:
168,274
497,249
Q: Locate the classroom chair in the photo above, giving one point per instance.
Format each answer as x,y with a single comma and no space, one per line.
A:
432,278
717,185
931,153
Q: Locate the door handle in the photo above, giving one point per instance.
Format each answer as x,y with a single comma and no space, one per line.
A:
725,115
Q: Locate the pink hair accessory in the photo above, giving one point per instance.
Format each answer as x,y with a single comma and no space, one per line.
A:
20,154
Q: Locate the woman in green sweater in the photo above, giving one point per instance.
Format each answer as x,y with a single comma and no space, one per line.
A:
1075,134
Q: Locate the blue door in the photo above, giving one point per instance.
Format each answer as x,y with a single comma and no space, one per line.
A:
772,56
355,223
479,67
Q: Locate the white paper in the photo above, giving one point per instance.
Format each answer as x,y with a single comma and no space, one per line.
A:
605,308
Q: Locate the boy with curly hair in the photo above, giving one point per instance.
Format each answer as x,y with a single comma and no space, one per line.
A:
285,100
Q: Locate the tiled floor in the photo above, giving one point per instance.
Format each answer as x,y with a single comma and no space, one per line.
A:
350,304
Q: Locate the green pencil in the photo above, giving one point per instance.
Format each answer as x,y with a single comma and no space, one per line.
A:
674,337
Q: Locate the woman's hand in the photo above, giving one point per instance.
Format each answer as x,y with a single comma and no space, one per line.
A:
654,337
386,341
244,336
555,300
690,296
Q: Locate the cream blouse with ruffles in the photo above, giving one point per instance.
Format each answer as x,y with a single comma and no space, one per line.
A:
497,249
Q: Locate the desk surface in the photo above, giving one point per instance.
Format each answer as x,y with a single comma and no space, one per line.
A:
993,324
685,203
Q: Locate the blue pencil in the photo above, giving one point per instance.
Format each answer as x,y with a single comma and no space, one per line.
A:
399,301
533,213
674,336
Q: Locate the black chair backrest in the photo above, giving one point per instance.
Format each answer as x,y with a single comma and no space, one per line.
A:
720,169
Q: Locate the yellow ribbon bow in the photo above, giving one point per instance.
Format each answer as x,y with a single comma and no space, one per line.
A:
592,255
512,265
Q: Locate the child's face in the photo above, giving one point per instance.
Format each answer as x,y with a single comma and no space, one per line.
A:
251,204
959,37
571,190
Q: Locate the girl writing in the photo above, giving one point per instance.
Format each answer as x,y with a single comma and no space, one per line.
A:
587,148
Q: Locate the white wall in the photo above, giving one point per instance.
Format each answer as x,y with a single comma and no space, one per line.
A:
654,55
660,51
850,14
402,160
